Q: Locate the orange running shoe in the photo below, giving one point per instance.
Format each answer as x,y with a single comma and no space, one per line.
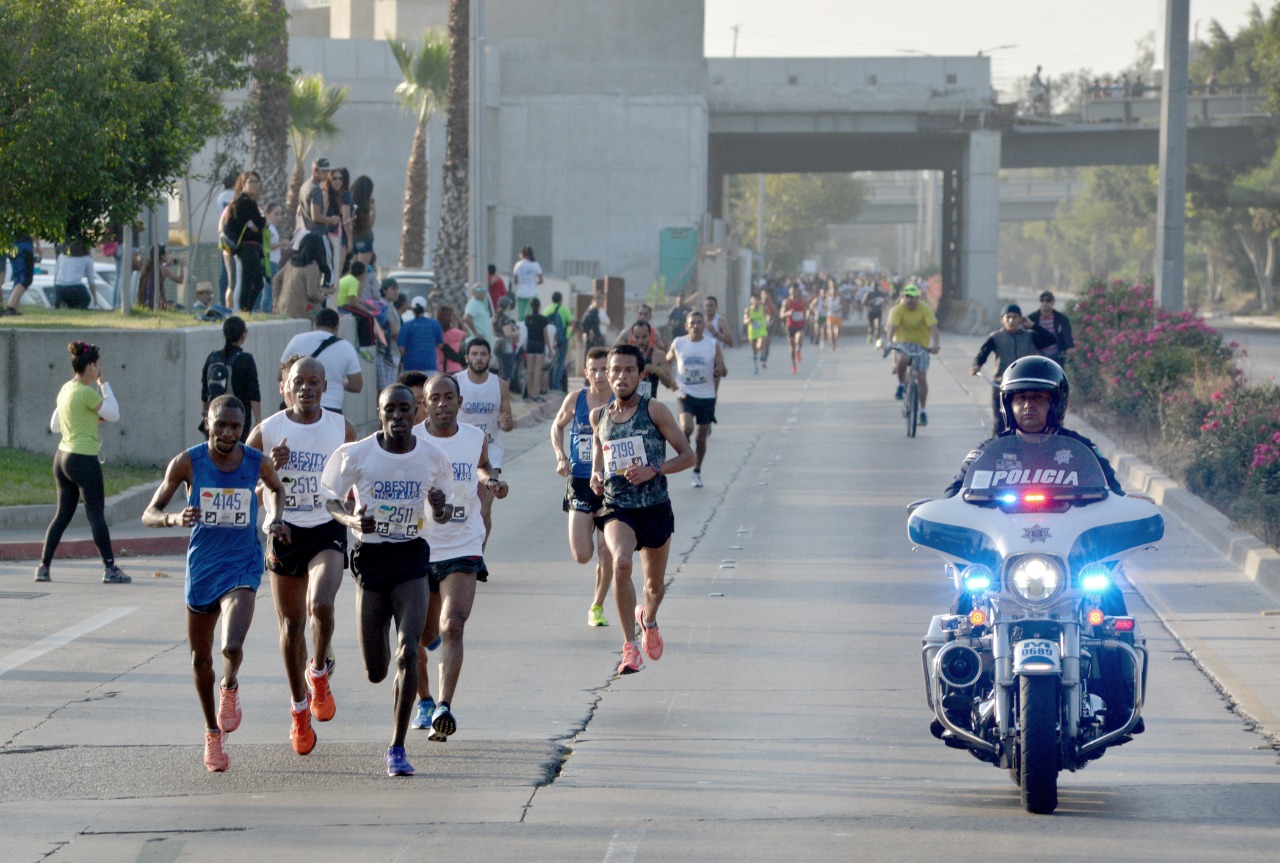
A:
302,735
215,760
229,713
323,706
650,640
631,661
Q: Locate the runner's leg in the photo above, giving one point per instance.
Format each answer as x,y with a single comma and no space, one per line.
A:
290,596
200,630
458,595
621,540
324,577
237,614
701,444
409,606
430,632
653,562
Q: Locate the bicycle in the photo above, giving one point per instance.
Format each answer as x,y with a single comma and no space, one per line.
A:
919,357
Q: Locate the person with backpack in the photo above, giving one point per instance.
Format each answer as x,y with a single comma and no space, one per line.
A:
593,324
342,369
231,371
562,321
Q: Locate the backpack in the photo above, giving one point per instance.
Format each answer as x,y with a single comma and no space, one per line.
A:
591,327
219,376
557,322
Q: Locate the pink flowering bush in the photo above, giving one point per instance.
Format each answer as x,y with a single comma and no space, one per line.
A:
1235,463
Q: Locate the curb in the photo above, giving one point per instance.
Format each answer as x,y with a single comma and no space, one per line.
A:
72,549
127,505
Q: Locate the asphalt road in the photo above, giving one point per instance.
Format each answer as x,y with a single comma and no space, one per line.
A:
786,720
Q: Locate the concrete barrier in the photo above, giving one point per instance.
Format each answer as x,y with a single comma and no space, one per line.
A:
156,378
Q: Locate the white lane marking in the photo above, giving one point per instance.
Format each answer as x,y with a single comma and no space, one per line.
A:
58,639
623,847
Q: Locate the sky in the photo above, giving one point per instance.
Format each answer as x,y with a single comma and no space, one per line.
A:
1018,35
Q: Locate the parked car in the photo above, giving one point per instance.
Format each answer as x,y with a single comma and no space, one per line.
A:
41,292
414,283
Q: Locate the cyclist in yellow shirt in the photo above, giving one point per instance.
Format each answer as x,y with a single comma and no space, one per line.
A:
911,320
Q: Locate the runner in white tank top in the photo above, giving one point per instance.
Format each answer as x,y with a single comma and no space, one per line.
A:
698,365
486,404
307,572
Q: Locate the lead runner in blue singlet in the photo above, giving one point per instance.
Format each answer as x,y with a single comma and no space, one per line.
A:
224,558
629,468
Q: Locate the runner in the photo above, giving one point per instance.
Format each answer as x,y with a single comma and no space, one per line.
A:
224,557
395,476
795,311
642,335
486,405
835,315
697,362
580,501
756,320
306,574
456,548
716,327
629,468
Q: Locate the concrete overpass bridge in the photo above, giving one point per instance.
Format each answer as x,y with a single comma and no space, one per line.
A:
830,115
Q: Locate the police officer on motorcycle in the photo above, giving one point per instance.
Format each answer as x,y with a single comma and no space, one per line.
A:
1033,400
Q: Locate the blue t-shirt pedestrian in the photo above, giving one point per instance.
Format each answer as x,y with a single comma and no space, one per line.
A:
419,339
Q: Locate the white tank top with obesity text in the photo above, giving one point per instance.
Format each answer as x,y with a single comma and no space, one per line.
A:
480,403
462,535
393,485
695,367
310,447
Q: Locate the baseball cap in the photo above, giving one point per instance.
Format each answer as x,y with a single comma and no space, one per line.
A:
419,302
204,288
322,164
1011,309
911,291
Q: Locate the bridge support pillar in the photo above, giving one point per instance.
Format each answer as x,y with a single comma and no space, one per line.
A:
980,232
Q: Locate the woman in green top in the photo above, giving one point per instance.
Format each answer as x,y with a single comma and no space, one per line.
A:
83,402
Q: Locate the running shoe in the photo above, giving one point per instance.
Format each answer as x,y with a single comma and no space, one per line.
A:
799,356
302,735
697,479
422,719
631,661
229,712
215,760
398,763
42,573
114,575
595,617
442,723
924,419
764,364
793,368
898,393
323,706
435,645
330,663
650,640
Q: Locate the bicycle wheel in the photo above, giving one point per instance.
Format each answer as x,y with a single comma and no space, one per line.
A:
911,407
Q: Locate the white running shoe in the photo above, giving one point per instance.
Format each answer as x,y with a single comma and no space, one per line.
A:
697,479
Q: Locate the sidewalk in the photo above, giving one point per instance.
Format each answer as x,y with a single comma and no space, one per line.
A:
23,527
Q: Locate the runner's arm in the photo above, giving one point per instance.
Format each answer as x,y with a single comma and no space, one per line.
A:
271,482
177,473
495,486
563,417
660,415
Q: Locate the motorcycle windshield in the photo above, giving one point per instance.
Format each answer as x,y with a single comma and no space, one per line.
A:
1032,469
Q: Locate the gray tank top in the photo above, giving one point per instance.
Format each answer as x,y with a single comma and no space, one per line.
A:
635,441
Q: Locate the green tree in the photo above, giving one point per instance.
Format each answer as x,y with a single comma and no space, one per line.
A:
798,208
312,106
1110,228
269,99
91,136
425,69
452,239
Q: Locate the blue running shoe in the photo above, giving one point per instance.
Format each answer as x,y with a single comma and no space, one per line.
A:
442,723
398,763
422,719
435,645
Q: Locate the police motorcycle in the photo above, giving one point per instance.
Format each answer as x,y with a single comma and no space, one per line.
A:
1037,673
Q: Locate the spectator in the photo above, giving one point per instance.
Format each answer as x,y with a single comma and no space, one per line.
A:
497,287
1139,89
389,354
273,213
338,207
526,275
507,332
313,206
224,199
24,271
676,319
1056,324
535,351
232,371
449,356
477,317
244,232
562,321
337,355
419,339
364,213
593,324
302,285
204,297
349,285
74,278
170,270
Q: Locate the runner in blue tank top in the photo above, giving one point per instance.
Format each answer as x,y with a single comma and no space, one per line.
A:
580,502
629,468
224,559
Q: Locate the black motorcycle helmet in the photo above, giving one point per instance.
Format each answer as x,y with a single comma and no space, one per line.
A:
1034,374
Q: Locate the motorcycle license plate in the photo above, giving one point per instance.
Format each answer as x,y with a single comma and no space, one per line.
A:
1037,656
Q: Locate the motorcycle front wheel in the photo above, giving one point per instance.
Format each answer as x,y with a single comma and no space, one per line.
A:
1038,743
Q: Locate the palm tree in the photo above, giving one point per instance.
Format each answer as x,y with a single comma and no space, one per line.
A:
311,109
451,243
270,100
425,69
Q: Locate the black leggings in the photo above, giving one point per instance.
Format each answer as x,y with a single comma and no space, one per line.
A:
251,275
74,474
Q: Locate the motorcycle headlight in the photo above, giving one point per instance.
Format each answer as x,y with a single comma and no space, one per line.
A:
1036,578
1095,578
977,578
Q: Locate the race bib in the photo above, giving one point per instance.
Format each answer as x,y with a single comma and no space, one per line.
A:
695,376
624,453
797,317
397,522
484,427
461,491
226,507
584,448
301,492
